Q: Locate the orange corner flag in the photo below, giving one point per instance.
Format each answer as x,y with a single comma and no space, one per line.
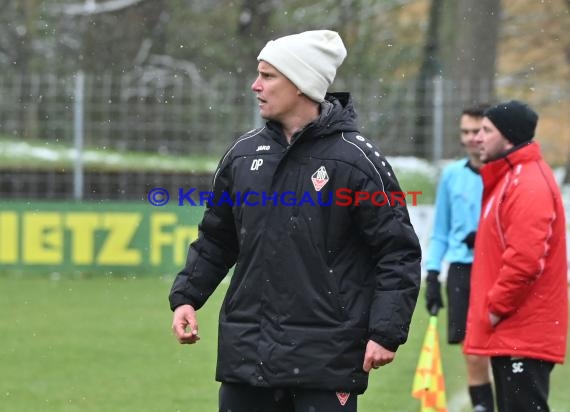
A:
429,384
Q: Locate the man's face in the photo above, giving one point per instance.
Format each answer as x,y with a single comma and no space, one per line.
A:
492,144
276,94
470,126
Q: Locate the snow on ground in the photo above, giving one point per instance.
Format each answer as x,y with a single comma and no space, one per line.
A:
20,150
30,152
27,151
414,164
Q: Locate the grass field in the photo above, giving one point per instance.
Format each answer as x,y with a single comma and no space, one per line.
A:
104,344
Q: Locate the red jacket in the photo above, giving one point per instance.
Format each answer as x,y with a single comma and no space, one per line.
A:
520,267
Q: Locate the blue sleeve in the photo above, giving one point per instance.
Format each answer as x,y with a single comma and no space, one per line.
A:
439,240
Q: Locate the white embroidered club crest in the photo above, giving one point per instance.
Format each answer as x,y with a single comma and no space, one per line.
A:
320,178
343,397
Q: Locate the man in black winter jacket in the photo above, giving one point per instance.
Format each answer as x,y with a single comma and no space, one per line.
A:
327,264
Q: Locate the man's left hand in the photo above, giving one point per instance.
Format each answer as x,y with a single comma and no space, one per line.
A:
376,355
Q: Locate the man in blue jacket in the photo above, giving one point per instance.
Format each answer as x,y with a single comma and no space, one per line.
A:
322,291
457,209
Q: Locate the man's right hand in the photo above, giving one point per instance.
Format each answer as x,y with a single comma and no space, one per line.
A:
434,302
185,324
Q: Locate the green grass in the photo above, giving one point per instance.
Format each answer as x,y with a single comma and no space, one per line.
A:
418,182
104,344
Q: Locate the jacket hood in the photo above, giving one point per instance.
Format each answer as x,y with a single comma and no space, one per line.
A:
341,117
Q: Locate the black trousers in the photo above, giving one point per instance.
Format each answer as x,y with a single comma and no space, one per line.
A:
521,384
246,398
458,286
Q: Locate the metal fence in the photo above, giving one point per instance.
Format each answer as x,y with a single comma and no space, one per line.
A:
174,115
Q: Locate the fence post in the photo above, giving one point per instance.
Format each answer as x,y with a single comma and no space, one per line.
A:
78,137
437,119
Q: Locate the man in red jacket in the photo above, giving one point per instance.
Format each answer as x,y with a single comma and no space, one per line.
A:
518,313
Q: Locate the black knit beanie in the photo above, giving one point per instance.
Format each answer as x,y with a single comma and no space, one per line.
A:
514,119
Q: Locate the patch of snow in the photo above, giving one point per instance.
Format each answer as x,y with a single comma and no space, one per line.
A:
21,149
90,7
413,164
401,164
98,157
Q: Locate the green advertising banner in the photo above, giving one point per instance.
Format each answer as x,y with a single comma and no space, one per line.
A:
96,236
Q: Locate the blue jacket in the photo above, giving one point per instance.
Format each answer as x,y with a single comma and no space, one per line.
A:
457,210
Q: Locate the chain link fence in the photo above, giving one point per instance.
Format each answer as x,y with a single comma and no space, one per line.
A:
45,115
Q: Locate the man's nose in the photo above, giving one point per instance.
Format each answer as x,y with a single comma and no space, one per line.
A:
255,84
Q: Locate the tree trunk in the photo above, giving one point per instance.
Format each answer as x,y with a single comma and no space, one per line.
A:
424,92
254,31
473,67
471,28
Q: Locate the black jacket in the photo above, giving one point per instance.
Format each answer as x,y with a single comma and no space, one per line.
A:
312,283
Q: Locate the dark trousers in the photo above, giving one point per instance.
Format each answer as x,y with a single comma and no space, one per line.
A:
246,398
521,384
458,286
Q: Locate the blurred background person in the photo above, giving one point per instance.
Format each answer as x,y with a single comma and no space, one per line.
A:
457,209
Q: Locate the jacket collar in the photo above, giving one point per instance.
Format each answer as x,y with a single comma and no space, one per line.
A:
494,171
337,115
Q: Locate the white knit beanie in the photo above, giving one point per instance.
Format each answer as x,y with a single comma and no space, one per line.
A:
308,59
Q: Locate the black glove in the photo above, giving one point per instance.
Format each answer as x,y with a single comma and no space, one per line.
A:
433,293
470,239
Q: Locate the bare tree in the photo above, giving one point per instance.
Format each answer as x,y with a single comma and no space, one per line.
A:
473,65
18,32
461,45
253,30
97,36
471,31
18,44
430,67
